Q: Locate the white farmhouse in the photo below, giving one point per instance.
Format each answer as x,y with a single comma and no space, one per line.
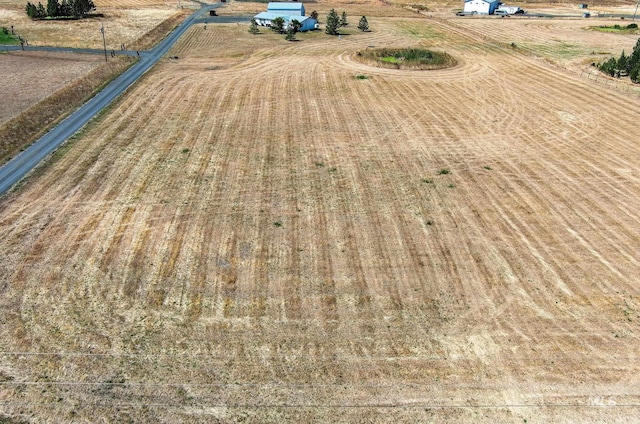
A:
481,7
288,11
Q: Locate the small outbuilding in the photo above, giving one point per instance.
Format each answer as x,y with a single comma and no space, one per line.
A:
481,7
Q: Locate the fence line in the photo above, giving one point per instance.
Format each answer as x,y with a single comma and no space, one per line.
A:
609,82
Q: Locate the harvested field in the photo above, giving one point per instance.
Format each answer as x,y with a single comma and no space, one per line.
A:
253,233
122,25
28,77
566,42
38,117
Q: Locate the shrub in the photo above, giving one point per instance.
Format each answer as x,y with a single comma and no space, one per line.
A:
363,25
407,58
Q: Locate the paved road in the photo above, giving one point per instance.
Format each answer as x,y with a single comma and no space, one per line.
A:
14,170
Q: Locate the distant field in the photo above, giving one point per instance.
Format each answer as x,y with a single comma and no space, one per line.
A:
29,77
49,85
256,233
123,25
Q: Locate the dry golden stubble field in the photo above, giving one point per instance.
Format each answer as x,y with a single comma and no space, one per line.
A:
43,86
125,22
34,116
255,234
28,77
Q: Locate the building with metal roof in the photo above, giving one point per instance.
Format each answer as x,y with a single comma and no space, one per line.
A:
288,11
482,7
286,8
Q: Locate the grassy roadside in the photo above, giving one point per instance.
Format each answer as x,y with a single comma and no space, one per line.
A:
6,38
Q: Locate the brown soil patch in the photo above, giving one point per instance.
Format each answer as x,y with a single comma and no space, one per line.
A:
253,234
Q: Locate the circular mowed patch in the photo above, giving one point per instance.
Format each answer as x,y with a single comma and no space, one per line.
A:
415,59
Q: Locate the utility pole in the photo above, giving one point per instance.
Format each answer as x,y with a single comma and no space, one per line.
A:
636,11
104,42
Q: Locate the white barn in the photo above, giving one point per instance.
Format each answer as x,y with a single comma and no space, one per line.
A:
289,11
481,7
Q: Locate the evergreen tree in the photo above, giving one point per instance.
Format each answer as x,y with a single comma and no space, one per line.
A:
634,74
66,8
32,10
314,15
41,12
291,34
295,25
343,19
52,8
609,67
634,59
363,25
623,63
81,7
278,25
253,29
333,22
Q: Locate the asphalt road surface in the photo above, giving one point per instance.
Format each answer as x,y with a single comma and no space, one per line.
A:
18,167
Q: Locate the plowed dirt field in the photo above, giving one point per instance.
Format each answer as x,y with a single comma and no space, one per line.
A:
256,233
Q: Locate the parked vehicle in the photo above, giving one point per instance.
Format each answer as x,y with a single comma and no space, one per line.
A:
511,10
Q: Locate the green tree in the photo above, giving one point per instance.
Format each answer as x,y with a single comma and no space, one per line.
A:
81,7
314,15
333,22
66,8
42,12
32,10
291,34
609,67
623,63
278,25
52,8
634,59
634,74
295,25
363,25
253,29
343,19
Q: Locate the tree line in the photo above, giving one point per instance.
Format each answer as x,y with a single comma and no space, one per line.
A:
624,65
333,24
57,9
